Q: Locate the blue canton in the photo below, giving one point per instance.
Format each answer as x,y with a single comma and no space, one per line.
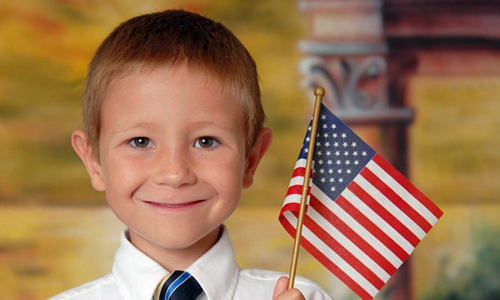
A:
339,154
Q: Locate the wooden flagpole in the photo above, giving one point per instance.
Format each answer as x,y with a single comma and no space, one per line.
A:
319,92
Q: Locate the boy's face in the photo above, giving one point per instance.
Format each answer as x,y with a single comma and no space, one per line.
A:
172,156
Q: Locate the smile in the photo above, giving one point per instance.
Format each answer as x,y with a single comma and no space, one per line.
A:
174,205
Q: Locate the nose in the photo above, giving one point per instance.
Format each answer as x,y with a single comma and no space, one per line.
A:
174,169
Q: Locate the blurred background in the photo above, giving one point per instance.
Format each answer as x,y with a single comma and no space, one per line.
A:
419,80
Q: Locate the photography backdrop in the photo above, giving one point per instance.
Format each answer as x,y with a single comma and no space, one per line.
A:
56,232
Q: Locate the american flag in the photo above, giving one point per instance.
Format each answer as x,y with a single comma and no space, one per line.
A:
363,217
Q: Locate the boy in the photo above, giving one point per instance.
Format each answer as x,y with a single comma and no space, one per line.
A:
173,133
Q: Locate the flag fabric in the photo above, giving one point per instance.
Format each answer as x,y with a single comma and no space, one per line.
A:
363,218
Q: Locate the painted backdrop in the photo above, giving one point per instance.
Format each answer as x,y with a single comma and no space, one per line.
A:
56,232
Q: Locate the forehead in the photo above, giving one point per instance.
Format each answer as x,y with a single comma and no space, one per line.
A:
175,91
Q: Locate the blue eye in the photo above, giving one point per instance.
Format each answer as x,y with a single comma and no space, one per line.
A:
141,142
206,142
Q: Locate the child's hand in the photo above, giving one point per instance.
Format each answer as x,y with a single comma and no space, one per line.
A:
281,292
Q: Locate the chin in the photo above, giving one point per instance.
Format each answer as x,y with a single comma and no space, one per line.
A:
177,239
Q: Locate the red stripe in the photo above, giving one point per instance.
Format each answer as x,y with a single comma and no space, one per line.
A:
327,262
294,189
290,207
354,262
288,227
408,186
372,228
352,236
396,199
384,213
300,171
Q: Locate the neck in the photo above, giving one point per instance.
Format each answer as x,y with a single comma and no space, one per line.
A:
175,259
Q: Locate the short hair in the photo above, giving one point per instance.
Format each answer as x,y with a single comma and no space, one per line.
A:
165,38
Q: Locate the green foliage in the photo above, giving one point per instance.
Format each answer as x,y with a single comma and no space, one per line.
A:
479,280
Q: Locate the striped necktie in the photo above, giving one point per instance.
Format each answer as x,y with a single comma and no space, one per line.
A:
180,285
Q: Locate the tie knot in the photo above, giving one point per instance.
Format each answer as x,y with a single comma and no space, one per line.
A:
180,285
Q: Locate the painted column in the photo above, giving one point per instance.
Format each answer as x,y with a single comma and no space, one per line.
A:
346,53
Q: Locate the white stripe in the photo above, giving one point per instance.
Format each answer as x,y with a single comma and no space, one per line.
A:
359,229
297,180
391,207
378,221
294,198
402,192
334,257
301,163
350,246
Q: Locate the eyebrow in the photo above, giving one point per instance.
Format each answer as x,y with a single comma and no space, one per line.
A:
146,125
205,124
197,125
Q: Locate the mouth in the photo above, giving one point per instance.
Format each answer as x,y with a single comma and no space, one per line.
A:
174,205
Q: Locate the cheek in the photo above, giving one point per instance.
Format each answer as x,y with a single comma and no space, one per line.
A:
229,177
122,176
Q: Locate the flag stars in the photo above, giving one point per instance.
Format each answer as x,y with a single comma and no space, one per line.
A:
331,179
355,153
338,162
344,144
322,171
344,135
346,153
337,153
327,144
336,144
347,162
309,129
334,126
325,135
306,150
323,117
308,139
339,171
341,180
335,135
329,162
318,144
364,153
356,162
323,179
348,171
325,126
333,189
330,171
328,153
354,144
319,153
320,162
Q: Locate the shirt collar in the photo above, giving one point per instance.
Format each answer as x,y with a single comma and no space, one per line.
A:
138,275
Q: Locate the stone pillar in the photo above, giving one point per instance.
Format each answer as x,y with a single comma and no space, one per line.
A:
346,53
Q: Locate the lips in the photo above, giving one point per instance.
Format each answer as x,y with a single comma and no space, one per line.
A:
173,205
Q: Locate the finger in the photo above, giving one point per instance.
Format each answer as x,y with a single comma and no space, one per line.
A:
281,286
291,294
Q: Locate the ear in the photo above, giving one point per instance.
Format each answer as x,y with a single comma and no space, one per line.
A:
81,144
262,143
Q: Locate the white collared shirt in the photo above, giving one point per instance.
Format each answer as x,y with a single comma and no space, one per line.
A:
135,276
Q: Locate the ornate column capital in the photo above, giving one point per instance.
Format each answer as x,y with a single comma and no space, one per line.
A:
346,54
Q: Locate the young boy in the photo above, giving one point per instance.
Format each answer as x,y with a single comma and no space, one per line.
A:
173,133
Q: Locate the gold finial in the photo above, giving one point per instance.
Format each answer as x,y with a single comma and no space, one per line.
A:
319,91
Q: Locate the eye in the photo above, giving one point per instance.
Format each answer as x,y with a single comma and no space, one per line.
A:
141,142
206,142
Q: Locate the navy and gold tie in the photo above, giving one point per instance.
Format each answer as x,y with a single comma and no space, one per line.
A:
180,285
